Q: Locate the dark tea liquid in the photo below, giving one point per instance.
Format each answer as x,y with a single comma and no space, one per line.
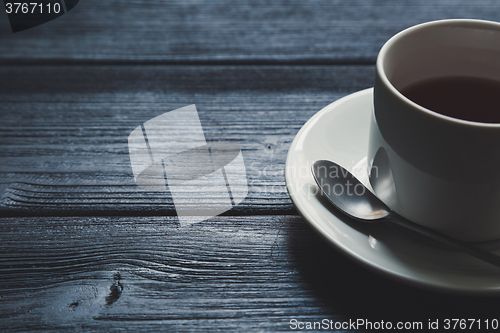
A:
467,98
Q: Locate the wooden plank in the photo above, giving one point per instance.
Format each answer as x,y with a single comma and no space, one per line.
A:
64,129
228,31
252,273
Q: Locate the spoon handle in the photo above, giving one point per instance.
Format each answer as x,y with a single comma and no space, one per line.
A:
472,250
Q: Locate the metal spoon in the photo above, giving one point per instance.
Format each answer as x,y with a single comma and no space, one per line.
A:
351,197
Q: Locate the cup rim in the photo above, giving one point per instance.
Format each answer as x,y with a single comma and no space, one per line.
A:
396,92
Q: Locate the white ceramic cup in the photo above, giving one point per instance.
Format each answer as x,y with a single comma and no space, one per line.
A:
438,171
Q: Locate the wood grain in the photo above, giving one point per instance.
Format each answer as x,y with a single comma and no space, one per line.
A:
64,130
227,273
222,31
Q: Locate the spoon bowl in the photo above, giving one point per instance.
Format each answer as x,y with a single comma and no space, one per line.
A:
354,199
347,193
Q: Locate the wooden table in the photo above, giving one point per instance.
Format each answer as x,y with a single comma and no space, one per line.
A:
82,249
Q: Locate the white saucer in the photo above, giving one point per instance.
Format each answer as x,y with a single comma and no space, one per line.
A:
339,133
